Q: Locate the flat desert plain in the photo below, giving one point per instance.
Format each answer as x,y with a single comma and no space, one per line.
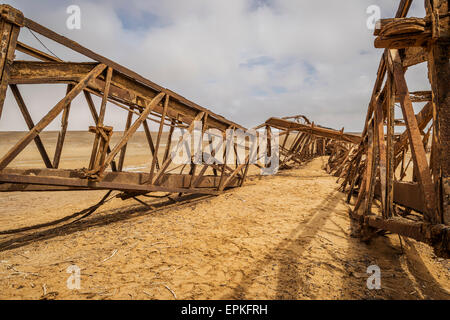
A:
286,236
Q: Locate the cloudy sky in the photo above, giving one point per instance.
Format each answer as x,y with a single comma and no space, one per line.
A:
247,60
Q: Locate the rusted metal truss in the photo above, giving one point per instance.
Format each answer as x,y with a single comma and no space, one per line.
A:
407,173
144,101
300,140
411,186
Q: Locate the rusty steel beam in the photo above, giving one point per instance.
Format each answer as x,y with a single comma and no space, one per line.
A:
436,235
14,179
314,130
421,190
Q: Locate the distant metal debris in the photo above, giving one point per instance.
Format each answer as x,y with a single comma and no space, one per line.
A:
301,140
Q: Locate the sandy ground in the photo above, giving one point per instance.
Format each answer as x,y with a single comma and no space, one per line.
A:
278,237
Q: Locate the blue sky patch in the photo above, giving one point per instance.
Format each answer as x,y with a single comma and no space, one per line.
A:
309,68
139,20
279,89
256,4
258,61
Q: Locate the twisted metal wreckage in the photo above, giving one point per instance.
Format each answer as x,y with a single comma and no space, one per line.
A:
368,164
415,206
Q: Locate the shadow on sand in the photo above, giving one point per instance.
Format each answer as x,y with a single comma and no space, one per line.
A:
397,283
16,238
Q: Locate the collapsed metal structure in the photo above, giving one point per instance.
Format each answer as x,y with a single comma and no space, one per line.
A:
373,165
123,88
412,203
141,98
301,140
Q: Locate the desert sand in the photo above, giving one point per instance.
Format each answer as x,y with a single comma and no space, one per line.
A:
286,236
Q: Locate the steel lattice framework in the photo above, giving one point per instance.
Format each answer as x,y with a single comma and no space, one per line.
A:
371,166
143,99
301,140
377,167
